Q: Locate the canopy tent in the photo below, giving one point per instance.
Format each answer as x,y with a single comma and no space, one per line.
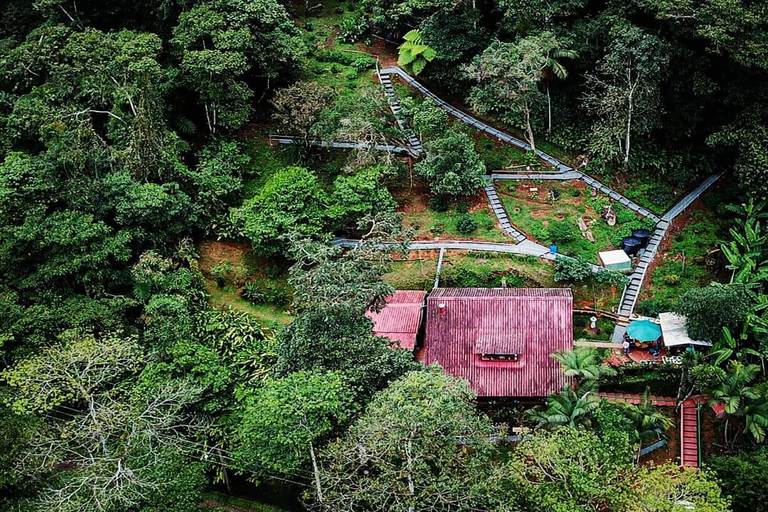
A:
673,327
644,330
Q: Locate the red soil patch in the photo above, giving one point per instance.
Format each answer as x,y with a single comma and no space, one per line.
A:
213,252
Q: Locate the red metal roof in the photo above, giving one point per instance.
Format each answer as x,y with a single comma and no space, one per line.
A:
400,319
533,323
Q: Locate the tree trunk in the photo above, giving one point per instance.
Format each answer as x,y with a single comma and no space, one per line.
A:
411,486
549,111
529,128
316,472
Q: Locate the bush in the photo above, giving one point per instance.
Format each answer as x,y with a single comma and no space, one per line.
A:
352,29
466,224
671,280
253,293
654,306
264,292
462,207
572,270
438,203
309,26
562,232
711,308
742,476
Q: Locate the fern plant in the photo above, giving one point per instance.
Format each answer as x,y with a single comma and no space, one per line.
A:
414,54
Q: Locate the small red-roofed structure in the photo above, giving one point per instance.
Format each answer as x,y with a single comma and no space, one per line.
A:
400,319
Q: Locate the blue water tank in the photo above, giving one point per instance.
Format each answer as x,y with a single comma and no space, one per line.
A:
553,249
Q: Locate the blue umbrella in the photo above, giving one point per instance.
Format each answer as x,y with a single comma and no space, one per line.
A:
644,330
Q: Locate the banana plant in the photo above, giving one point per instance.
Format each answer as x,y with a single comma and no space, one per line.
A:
414,54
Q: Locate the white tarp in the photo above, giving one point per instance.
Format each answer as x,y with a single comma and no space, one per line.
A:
675,332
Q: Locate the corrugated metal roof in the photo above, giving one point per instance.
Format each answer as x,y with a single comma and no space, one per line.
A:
400,319
532,322
501,292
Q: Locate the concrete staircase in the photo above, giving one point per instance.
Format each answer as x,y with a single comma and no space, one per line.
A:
414,144
636,278
501,214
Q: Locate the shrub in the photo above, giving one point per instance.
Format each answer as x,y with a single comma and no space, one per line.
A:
352,29
438,203
743,477
671,279
654,306
438,228
562,232
462,207
572,270
264,292
253,293
466,224
711,308
309,26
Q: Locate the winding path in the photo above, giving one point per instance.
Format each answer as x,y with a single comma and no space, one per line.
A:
287,139
561,171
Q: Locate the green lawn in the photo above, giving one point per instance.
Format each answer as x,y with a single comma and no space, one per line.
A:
602,332
428,224
687,264
556,220
487,270
412,275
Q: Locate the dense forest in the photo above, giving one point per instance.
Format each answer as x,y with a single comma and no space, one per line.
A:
178,332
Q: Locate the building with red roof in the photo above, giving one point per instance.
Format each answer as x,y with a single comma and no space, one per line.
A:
400,319
500,339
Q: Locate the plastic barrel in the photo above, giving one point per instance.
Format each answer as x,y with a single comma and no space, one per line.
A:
631,245
643,235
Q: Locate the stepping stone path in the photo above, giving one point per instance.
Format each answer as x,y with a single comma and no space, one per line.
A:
560,171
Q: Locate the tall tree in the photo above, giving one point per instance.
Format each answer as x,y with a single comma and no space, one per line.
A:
225,44
624,92
508,77
285,421
420,444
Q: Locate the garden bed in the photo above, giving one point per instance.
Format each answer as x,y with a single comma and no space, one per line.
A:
549,211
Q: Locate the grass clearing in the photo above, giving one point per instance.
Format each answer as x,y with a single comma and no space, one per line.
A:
416,274
428,224
582,330
550,211
688,259
227,267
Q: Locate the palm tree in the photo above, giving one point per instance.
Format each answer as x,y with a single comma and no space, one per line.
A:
647,420
568,408
736,395
584,364
555,68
